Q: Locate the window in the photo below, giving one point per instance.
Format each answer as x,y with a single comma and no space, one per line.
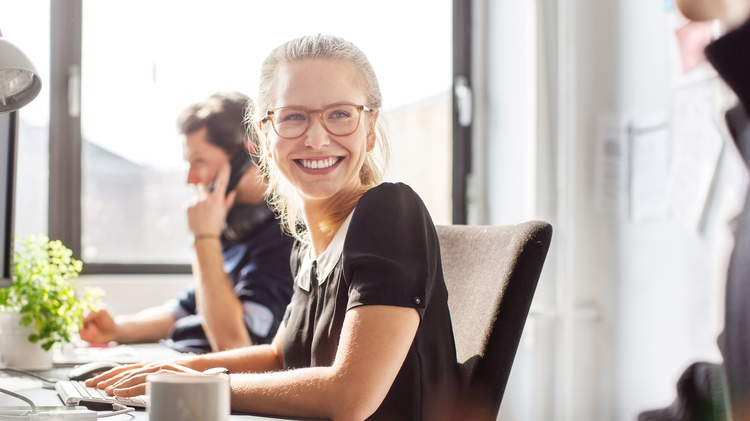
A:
138,70
26,24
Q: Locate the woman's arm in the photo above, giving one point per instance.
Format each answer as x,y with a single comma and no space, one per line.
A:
130,380
374,343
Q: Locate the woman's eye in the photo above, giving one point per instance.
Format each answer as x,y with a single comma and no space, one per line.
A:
293,117
338,114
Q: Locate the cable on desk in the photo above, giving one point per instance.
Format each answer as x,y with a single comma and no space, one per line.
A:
21,397
78,413
118,412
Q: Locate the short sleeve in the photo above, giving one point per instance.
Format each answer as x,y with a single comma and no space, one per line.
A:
263,282
184,305
391,251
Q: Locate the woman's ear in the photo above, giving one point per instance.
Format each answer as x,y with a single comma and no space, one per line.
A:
371,131
264,140
371,141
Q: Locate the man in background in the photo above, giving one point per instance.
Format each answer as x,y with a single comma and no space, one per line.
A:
243,280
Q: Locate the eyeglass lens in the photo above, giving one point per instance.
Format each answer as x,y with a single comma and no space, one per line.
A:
339,120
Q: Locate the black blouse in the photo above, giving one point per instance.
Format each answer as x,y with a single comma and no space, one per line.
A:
391,256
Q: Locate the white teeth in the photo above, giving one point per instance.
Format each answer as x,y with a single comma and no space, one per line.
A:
323,163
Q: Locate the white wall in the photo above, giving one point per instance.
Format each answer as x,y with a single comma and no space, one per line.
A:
623,307
128,294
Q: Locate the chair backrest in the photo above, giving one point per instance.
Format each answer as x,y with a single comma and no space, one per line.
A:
491,274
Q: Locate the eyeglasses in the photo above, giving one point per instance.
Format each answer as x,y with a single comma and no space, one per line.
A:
337,119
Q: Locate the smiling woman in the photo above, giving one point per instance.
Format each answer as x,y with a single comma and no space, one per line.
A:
368,332
133,176
304,82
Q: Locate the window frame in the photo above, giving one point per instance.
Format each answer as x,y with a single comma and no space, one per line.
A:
65,133
462,67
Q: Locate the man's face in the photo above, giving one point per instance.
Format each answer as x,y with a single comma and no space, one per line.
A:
204,158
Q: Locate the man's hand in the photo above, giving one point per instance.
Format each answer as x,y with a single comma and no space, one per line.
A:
130,380
731,12
208,211
98,327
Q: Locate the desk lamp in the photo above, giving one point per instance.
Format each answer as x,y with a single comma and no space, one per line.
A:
19,80
19,85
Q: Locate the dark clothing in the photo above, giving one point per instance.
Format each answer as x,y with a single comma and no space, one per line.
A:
730,55
389,255
257,264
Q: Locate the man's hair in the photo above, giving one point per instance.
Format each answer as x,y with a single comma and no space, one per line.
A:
223,115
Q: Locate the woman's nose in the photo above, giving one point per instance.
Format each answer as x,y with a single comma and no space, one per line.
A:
317,136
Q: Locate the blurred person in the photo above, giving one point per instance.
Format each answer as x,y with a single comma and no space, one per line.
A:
243,281
702,391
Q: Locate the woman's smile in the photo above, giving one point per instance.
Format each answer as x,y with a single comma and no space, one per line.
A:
319,165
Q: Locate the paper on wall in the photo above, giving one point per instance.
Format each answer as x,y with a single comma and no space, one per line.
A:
696,148
611,181
650,167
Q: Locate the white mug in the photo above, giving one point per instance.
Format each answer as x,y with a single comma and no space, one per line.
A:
186,397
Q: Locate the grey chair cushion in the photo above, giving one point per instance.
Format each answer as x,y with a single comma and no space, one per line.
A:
491,274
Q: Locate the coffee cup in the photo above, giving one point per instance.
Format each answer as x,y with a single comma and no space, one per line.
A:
188,397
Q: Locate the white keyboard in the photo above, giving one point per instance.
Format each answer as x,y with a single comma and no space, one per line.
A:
74,392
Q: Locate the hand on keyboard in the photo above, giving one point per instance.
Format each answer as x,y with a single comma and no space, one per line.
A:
130,380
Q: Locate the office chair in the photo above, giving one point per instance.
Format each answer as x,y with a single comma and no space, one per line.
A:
491,274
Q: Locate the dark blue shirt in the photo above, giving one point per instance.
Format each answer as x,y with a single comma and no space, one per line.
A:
258,267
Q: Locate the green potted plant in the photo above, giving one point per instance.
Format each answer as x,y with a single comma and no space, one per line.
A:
41,308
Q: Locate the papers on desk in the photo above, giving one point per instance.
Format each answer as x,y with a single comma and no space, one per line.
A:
14,384
123,354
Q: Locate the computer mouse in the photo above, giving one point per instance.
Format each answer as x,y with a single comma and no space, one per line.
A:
88,370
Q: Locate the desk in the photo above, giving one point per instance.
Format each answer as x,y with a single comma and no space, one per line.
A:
33,390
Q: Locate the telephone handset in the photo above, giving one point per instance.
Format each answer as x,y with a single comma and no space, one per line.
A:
239,164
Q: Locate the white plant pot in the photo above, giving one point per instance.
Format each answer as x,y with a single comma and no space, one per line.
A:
15,349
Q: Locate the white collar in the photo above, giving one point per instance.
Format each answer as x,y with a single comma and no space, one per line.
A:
327,260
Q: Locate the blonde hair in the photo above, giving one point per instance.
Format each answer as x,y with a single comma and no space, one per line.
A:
281,195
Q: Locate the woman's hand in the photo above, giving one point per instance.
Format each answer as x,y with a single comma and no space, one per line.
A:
208,211
130,380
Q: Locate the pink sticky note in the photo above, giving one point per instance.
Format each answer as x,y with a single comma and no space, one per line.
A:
693,37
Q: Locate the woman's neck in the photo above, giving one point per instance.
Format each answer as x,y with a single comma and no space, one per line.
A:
324,217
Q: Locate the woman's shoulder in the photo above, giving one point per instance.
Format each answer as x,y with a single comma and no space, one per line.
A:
391,195
390,205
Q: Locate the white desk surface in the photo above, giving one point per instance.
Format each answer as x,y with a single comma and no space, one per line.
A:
33,390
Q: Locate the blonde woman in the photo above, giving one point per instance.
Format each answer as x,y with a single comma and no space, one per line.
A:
368,332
